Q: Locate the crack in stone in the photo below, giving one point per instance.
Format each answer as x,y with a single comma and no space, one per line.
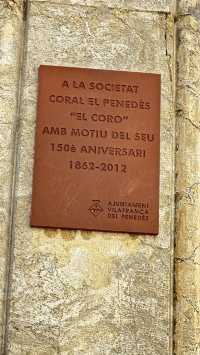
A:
188,194
192,122
167,53
188,300
181,114
189,189
184,259
122,21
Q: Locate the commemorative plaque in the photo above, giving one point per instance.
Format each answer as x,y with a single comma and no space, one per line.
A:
97,150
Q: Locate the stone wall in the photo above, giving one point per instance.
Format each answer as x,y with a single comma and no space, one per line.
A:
187,276
11,39
76,292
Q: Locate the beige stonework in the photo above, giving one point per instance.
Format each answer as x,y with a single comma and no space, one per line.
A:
10,53
188,7
168,6
75,292
90,292
187,330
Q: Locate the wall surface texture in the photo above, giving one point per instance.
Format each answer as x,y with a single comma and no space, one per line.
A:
187,271
11,33
94,293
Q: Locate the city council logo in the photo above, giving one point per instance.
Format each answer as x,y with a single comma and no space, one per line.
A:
96,208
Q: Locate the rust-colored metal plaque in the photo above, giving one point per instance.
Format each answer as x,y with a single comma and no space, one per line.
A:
97,150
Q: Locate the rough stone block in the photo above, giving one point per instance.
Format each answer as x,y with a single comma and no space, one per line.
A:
168,6
188,188
188,7
10,53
